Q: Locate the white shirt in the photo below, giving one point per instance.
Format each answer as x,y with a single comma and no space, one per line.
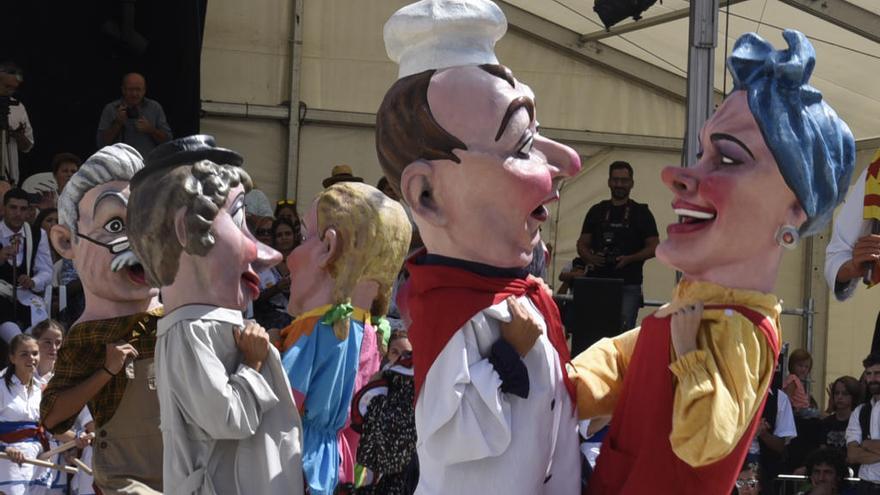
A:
784,428
473,438
849,226
869,472
42,268
17,403
226,428
17,116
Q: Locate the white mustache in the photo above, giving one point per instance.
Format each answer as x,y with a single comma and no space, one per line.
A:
122,260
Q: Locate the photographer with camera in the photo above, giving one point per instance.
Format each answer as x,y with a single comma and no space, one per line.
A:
18,135
134,120
618,235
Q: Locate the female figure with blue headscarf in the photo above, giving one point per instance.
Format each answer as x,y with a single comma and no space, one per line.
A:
687,388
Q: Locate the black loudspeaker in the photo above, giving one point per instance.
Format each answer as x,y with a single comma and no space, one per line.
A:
596,311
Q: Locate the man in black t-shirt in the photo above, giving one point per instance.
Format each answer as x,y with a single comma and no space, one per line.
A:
617,237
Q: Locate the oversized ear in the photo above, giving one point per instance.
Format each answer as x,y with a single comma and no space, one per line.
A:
180,226
331,248
418,189
62,240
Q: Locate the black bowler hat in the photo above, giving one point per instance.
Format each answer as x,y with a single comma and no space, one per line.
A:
185,151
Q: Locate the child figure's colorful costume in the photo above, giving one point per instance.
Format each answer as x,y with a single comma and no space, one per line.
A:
354,245
686,391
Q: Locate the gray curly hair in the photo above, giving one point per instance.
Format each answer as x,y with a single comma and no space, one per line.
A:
111,163
201,188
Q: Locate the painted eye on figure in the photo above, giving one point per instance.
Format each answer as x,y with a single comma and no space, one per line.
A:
526,148
115,226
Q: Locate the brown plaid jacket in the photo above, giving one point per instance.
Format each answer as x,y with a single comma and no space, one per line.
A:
82,354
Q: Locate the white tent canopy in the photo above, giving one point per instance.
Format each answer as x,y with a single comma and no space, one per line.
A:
611,96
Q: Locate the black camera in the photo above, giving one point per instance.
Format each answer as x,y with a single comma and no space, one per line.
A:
132,112
609,249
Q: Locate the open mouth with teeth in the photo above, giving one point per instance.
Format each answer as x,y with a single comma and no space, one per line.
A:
691,218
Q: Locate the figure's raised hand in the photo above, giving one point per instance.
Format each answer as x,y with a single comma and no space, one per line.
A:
684,325
116,355
253,342
522,330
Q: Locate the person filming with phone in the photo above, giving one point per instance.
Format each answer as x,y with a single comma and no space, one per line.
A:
133,119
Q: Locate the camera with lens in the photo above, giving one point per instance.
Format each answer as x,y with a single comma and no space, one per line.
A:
609,249
132,112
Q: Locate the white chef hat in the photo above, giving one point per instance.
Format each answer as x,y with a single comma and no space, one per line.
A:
436,34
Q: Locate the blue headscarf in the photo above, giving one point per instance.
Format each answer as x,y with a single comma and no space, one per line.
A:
814,148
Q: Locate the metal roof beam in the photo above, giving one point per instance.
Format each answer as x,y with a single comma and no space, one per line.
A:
646,22
568,42
844,14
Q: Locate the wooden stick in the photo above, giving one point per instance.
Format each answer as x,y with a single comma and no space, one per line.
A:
37,462
62,448
85,467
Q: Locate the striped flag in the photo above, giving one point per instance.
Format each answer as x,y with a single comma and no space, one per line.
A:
872,209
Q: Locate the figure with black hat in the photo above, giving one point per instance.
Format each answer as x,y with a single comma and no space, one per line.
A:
229,423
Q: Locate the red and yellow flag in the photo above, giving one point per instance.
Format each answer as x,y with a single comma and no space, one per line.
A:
872,190
872,205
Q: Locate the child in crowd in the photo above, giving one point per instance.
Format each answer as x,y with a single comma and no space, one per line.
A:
383,412
799,364
49,335
20,396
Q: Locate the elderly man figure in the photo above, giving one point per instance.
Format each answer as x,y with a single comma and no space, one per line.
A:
229,422
355,239
687,389
107,358
133,119
25,266
457,136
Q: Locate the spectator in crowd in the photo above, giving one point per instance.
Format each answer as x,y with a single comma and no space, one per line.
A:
270,308
863,430
26,252
617,236
843,395
852,247
64,165
263,230
827,471
20,395
383,413
286,208
45,220
21,135
748,482
799,364
133,119
49,335
340,173
574,269
775,430
256,207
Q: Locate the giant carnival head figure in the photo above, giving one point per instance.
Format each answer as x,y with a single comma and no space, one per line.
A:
775,160
354,237
457,135
92,231
187,225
